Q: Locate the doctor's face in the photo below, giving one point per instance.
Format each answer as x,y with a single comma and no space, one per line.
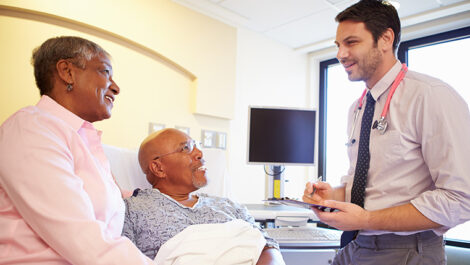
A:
358,52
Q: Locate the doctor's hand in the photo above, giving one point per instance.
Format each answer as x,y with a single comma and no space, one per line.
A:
317,192
348,217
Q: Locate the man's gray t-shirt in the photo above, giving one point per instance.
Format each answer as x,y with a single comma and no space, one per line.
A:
152,218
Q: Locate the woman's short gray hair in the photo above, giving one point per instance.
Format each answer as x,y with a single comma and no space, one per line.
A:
46,56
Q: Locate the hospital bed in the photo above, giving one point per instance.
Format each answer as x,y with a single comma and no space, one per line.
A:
125,167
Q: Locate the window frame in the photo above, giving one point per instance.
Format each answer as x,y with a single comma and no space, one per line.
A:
402,55
322,112
439,38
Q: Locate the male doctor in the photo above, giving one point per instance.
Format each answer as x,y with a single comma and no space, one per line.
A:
409,174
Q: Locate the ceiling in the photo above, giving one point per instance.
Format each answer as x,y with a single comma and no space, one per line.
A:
308,25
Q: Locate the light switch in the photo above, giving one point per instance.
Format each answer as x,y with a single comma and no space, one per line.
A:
208,138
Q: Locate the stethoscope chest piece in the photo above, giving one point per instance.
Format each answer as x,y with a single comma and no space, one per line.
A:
380,125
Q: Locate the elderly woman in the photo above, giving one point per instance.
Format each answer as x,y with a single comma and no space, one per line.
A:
58,201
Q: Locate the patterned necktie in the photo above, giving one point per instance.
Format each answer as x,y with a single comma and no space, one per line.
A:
362,165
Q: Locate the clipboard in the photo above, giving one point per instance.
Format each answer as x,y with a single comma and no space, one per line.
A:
300,204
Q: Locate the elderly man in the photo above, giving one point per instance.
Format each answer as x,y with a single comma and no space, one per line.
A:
175,168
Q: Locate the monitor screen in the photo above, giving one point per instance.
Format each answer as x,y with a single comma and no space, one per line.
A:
279,136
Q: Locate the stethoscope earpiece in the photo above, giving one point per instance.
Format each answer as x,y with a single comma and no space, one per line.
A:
351,142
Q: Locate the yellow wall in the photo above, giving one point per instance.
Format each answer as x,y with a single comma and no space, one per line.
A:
151,90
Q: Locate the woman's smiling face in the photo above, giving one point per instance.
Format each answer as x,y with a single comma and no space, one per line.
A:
94,90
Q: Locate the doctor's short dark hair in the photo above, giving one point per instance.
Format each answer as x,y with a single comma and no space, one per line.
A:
377,16
46,56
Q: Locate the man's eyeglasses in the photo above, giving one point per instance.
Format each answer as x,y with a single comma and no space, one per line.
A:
186,148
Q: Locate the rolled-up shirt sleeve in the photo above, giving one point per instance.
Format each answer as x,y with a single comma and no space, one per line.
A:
444,124
63,205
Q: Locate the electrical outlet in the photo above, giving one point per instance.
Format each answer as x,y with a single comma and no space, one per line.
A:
221,140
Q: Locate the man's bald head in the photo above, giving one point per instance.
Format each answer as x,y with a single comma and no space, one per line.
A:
156,144
172,162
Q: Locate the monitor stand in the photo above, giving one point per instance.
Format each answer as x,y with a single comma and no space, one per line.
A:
274,185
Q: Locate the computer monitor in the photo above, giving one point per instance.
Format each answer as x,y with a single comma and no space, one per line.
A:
281,136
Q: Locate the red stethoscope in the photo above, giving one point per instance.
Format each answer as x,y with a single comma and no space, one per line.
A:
380,125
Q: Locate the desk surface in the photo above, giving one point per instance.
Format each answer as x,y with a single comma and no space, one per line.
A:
265,212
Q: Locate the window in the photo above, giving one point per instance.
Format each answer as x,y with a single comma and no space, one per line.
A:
444,56
341,94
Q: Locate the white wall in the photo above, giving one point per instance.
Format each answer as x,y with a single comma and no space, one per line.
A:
268,74
225,61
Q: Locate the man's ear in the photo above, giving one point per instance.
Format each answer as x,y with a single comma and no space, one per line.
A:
65,71
386,40
156,167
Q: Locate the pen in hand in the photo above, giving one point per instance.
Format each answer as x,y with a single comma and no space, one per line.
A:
314,188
